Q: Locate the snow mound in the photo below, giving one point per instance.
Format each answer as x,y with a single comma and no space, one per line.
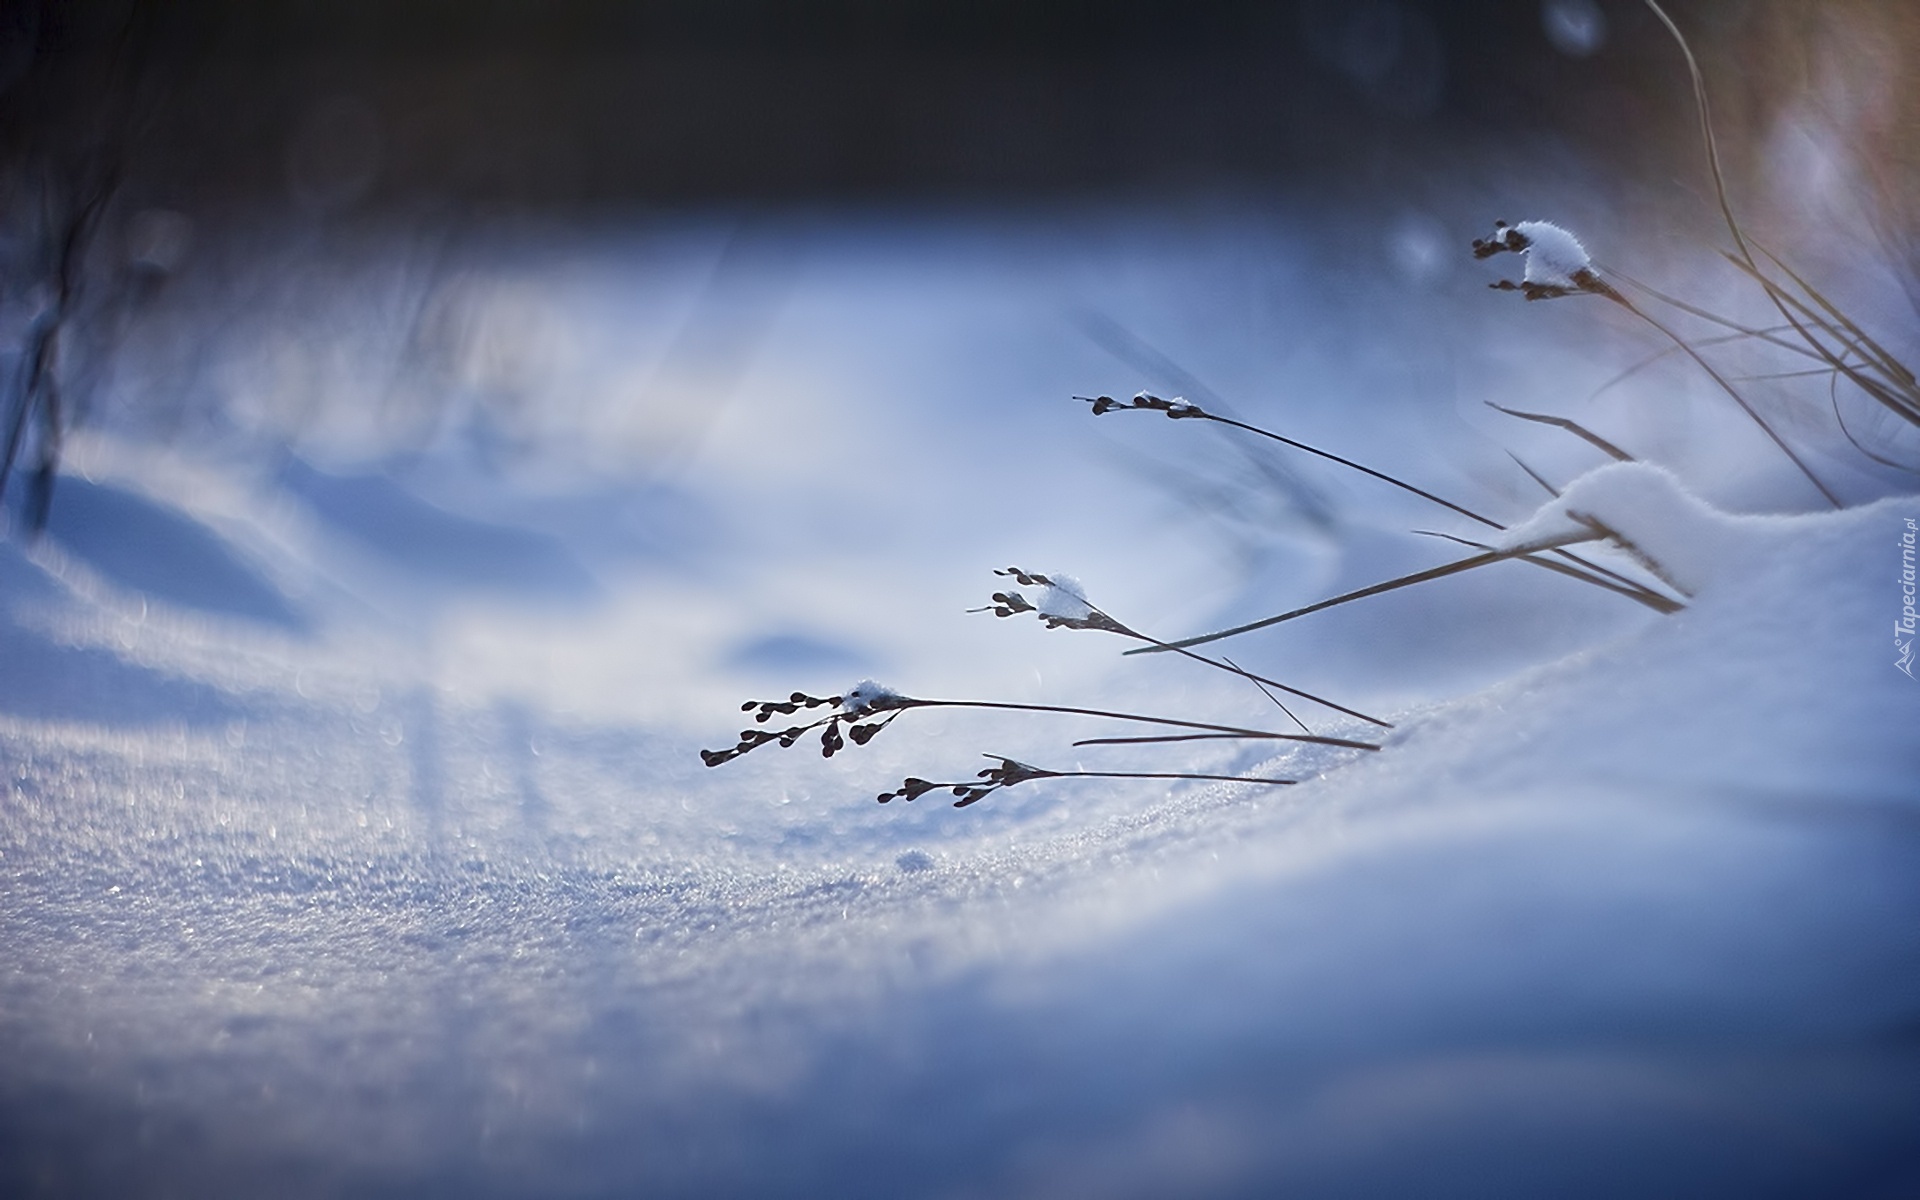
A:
1647,905
1646,511
1777,677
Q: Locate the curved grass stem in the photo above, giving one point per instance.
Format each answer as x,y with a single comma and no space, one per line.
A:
1746,407
1170,722
1441,572
1836,324
1579,568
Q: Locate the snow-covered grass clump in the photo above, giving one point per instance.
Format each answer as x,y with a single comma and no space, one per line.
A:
1649,513
1554,258
1606,928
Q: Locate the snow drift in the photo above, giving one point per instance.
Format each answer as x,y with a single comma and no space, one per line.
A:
1645,919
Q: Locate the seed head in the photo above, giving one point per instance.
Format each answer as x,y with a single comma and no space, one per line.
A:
1556,263
867,696
1061,602
863,699
1175,408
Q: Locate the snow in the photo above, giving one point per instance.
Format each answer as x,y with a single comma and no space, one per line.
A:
1063,599
355,842
1645,510
1555,259
1553,255
862,696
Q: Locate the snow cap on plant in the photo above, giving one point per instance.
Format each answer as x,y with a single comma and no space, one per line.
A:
1646,511
867,696
863,699
1556,263
1061,601
1175,408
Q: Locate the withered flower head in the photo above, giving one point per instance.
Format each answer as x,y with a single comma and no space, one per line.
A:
1556,263
1175,408
1061,602
863,699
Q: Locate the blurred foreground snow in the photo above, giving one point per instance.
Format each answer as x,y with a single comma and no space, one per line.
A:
355,842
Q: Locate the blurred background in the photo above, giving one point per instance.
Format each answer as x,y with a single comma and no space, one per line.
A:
568,108
635,304
427,421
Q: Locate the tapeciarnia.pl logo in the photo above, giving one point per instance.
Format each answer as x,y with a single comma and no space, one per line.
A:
1903,629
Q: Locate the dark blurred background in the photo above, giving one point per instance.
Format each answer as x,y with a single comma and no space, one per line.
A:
354,104
149,147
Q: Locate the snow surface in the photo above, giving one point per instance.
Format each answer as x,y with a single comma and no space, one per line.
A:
355,842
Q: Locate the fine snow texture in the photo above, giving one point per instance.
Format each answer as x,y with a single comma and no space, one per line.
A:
1646,918
354,841
1063,599
1553,255
862,696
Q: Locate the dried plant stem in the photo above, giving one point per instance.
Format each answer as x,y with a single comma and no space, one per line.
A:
861,717
1571,426
1532,474
1048,774
1766,335
1780,296
1582,569
1172,722
1100,621
1153,739
1440,572
1855,341
1706,125
1259,681
1011,772
1833,398
1834,324
1268,693
1769,334
1714,374
1809,373
1874,353
1667,607
1382,476
1836,364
